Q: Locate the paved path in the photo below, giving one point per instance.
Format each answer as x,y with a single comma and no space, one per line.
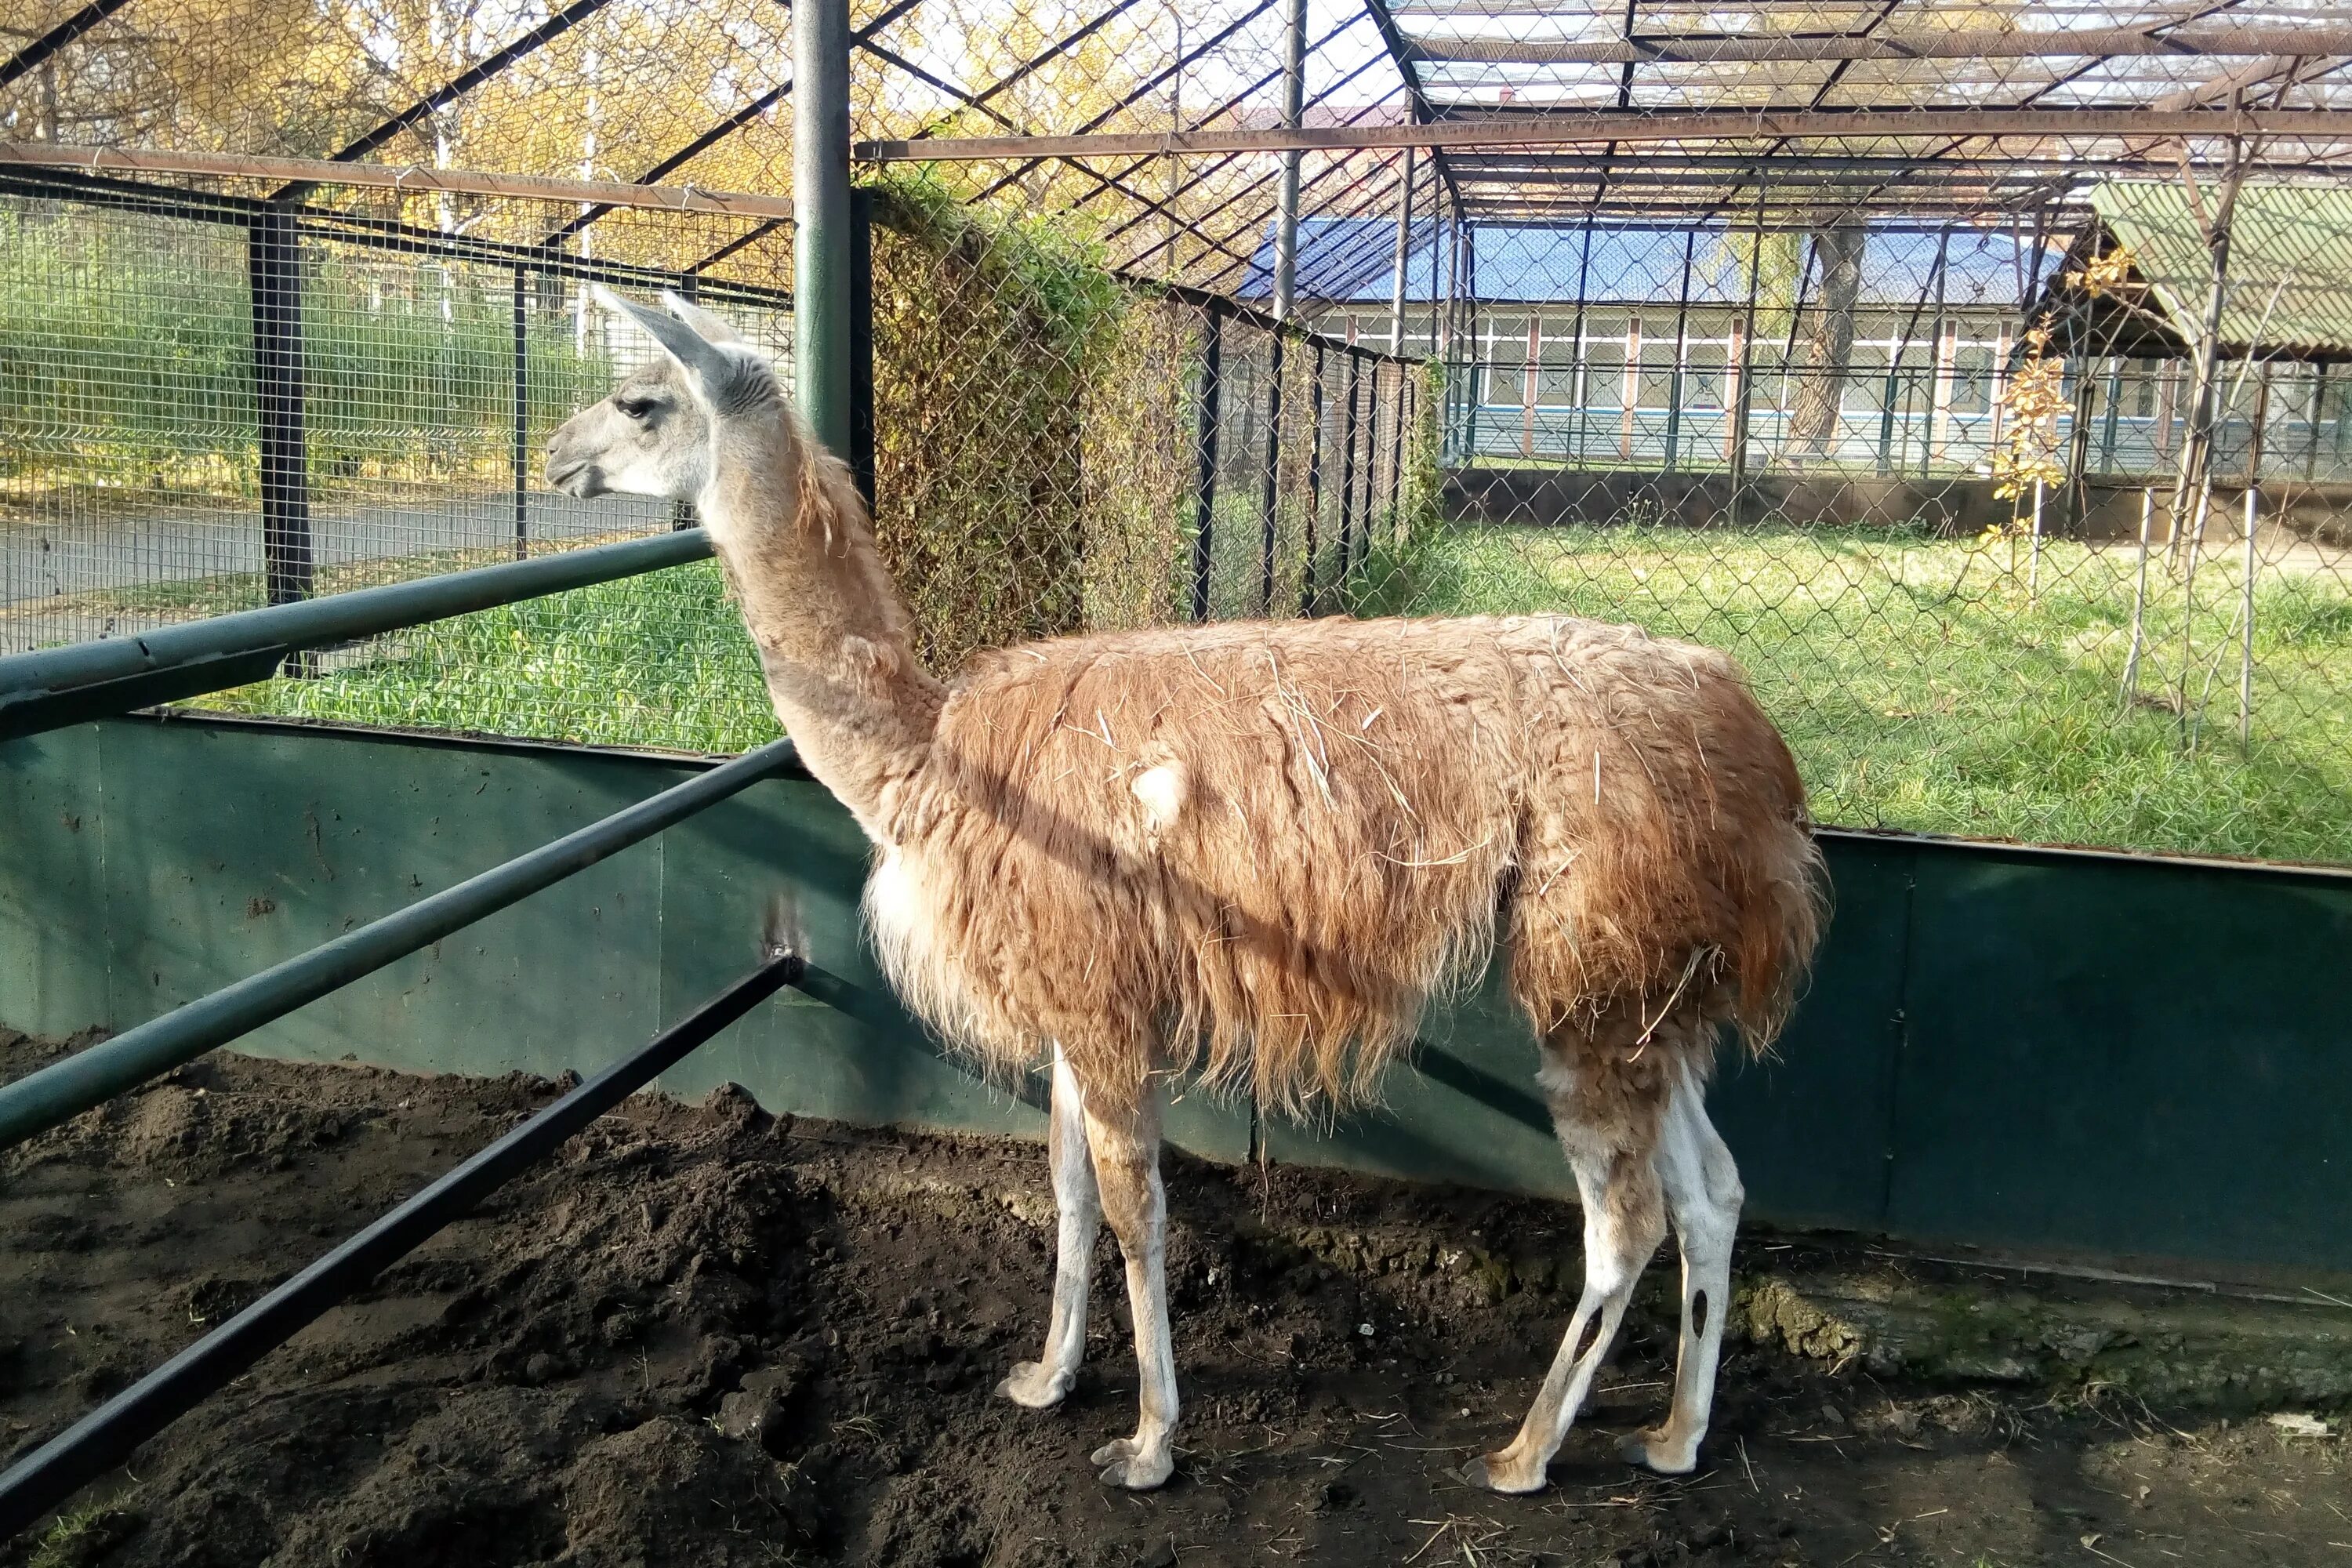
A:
91,541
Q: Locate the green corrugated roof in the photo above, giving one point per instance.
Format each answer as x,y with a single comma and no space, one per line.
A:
2303,236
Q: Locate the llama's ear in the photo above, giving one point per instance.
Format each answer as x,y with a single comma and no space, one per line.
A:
705,364
714,329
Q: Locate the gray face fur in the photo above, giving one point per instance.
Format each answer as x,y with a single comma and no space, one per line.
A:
653,437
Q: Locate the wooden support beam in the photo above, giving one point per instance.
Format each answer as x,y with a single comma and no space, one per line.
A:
1584,127
1975,44
377,176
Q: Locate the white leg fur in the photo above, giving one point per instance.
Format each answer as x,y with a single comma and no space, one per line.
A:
1040,1385
1623,1227
1127,1171
1702,1197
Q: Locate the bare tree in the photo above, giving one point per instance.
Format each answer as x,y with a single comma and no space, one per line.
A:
1812,420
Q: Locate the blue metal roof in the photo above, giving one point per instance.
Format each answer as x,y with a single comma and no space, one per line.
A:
1352,259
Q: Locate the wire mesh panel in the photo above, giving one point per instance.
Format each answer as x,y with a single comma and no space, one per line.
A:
1855,339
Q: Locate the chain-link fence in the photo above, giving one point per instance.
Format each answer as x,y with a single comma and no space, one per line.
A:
210,409
1923,356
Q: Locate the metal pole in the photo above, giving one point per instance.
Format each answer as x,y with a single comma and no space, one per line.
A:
1205,508
274,273
1578,378
1314,481
821,257
1739,414
41,1100
521,455
1348,476
1682,352
1286,233
2034,567
105,1436
1403,255
682,515
860,450
2246,617
1268,511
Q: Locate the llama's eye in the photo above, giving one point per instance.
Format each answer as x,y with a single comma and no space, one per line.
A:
634,407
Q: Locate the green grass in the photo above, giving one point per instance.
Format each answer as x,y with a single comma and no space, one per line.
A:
1921,684
658,660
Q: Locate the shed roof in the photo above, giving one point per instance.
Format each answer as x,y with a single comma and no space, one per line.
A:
2288,279
1352,260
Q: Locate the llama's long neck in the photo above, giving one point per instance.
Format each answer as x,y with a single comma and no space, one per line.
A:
789,528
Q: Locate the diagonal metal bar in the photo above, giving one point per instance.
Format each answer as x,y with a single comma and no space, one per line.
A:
1209,170
1358,181
1154,207
1104,182
38,53
457,87
56,1093
691,151
1329,171
709,139
1047,56
1392,39
755,235
1146,88
107,1436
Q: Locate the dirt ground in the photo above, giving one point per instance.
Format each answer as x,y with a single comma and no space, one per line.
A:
702,1336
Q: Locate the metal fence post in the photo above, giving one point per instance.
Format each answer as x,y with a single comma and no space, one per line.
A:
1306,586
1268,511
1347,475
682,515
1403,255
274,272
1205,490
1371,459
1286,232
1400,443
861,341
823,258
521,454
1675,383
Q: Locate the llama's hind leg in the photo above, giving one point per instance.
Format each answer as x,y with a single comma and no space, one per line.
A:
1126,1146
1625,1220
1039,1384
1703,1195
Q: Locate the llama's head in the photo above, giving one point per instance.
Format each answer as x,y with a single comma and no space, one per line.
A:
656,434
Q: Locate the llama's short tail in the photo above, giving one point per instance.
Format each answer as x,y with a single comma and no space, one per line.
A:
1781,920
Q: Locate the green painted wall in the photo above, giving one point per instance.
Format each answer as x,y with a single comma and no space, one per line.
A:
2097,1056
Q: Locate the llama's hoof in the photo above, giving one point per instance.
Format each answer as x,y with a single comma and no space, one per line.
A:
1655,1449
1034,1386
1502,1472
1121,1464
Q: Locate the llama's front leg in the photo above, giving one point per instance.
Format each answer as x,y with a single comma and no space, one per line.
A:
1703,1195
1040,1385
1126,1146
1623,1223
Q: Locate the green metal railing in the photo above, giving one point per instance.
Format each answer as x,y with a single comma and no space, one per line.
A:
55,687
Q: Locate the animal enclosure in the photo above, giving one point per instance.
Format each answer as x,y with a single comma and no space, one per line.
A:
1974,375
1944,419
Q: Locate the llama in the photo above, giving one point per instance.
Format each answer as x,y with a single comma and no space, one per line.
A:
1255,852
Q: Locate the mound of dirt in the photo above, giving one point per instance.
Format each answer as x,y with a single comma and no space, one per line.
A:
703,1336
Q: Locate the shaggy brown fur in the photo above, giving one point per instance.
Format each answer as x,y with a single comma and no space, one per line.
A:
1260,850
1356,804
